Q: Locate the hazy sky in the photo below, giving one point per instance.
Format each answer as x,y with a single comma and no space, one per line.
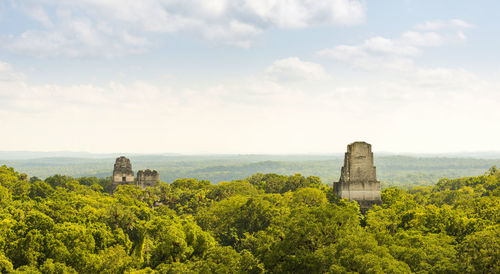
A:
249,76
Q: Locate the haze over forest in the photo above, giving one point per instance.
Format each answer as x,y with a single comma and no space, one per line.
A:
392,170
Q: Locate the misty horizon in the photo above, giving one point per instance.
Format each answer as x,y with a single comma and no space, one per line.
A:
27,154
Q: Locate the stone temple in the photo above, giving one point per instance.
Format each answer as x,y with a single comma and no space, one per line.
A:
358,179
124,175
147,178
122,172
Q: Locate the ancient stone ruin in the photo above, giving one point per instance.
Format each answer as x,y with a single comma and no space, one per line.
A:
122,172
147,178
358,179
124,175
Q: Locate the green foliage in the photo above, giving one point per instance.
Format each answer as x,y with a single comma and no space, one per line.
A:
5,264
480,251
274,183
310,197
264,223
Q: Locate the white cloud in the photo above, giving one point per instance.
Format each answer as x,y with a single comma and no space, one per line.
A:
380,52
393,53
118,27
303,13
8,73
389,46
294,69
461,36
235,33
76,36
374,53
422,39
441,24
38,13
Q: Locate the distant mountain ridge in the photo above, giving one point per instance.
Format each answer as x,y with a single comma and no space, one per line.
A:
391,169
29,155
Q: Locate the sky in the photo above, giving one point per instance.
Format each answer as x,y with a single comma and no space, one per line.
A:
249,76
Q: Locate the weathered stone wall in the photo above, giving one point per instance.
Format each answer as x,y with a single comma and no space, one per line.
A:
147,178
122,172
119,179
358,179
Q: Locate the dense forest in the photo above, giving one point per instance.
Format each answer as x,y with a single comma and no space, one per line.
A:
263,223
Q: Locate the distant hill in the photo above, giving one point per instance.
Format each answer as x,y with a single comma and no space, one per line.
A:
25,155
391,169
31,155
